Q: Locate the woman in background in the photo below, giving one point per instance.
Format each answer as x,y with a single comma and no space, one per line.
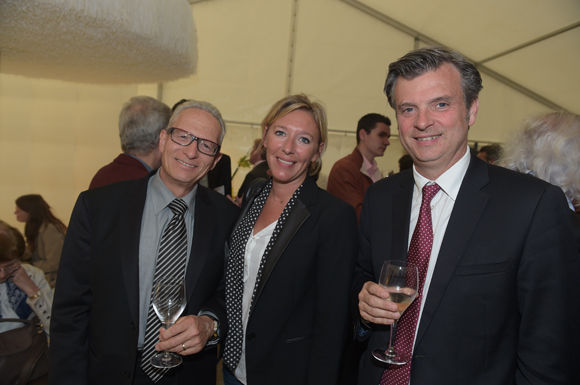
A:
24,293
44,234
290,261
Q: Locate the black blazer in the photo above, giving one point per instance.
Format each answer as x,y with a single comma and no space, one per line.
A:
298,323
260,171
221,175
95,315
501,307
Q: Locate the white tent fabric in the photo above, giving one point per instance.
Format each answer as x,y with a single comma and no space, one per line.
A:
104,41
54,135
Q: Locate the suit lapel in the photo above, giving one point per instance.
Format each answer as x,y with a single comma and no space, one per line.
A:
130,216
402,201
295,219
466,212
202,232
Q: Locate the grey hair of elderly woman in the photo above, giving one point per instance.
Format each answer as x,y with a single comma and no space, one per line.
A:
548,147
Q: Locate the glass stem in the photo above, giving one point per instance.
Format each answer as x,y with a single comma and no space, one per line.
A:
391,350
166,356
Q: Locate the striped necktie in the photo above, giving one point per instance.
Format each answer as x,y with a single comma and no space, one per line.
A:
170,263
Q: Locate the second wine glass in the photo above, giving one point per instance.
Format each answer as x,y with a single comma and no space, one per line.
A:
401,281
168,302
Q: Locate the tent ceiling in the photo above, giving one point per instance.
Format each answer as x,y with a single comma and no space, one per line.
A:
533,43
104,41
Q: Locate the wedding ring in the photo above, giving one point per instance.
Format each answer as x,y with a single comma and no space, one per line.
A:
183,346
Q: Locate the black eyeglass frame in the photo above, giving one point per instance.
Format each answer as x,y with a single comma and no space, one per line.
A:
193,139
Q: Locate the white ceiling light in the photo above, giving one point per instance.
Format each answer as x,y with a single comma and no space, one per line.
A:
98,41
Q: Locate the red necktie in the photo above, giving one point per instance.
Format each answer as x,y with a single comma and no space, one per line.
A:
419,254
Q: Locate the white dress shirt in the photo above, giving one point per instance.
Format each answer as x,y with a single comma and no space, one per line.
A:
441,208
255,248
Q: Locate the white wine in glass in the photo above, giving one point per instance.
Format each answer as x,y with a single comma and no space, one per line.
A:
401,281
168,302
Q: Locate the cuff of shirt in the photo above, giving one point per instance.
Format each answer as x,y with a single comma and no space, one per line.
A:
211,315
363,330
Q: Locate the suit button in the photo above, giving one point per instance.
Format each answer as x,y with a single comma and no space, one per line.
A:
127,375
251,336
132,326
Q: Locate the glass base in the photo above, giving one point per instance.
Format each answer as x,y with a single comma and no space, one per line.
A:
166,360
391,357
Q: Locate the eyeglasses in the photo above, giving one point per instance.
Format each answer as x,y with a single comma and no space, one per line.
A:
10,268
184,138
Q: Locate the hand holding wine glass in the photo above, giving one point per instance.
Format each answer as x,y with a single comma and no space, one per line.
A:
168,302
401,281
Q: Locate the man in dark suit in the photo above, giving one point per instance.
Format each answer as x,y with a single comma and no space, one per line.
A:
140,121
220,178
498,300
260,169
109,260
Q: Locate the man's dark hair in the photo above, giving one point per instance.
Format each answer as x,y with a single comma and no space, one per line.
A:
493,151
369,122
423,60
405,162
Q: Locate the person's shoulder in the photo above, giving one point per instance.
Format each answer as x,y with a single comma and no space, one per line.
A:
32,271
49,229
219,200
348,161
110,194
515,180
389,182
328,200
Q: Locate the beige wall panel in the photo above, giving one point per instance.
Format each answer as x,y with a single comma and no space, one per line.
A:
54,136
243,57
501,110
343,61
527,63
480,29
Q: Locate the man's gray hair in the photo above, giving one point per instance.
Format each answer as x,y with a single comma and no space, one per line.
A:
548,147
423,60
201,105
141,120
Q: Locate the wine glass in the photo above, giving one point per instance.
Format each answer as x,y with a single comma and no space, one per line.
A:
169,303
401,281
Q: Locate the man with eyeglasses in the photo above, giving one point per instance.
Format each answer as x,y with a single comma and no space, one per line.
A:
115,250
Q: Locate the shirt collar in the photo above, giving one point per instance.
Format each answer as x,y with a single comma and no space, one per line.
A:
371,167
149,169
162,197
450,180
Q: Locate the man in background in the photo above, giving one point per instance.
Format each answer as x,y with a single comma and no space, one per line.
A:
140,122
260,169
352,175
490,154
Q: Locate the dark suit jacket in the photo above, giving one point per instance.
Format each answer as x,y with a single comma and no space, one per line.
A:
502,305
221,175
259,171
95,315
123,167
297,326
